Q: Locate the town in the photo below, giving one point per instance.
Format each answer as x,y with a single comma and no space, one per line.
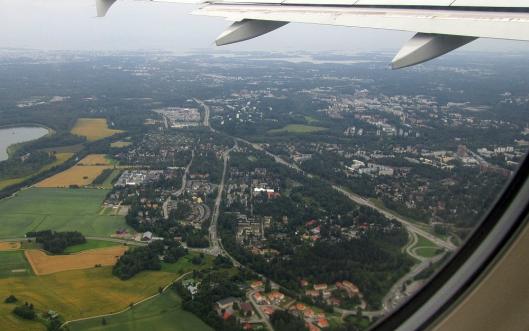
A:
292,195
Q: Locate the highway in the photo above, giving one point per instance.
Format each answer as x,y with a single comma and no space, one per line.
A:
352,196
215,247
409,226
395,295
182,188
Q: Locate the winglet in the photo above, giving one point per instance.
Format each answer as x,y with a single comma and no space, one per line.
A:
247,29
103,6
425,46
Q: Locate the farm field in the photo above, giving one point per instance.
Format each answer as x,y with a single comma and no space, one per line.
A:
108,183
14,264
163,313
44,264
65,149
93,129
82,174
89,244
77,293
94,160
9,246
120,144
77,175
298,128
57,209
61,158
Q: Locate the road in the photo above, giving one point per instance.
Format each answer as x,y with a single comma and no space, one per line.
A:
263,317
214,239
360,200
394,297
352,196
182,188
409,226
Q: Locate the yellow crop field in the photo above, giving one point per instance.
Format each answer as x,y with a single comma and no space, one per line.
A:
44,264
93,128
82,174
76,294
76,175
9,246
94,159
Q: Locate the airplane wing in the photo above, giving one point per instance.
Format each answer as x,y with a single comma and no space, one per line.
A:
440,25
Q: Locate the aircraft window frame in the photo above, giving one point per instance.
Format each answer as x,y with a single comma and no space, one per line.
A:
490,238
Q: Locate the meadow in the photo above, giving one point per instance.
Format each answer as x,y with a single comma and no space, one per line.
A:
13,264
77,293
163,313
298,129
89,244
93,129
90,292
57,209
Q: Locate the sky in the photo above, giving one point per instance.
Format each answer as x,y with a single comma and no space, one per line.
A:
143,25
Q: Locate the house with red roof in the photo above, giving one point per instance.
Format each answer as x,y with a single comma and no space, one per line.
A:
323,323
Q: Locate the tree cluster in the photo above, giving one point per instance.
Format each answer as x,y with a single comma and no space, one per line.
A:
147,258
25,311
57,242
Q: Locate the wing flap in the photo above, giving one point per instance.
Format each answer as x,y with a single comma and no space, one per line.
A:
424,47
247,29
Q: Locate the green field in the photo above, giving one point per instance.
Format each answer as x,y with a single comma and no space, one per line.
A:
298,128
91,292
14,261
89,244
77,293
56,209
161,313
310,119
110,179
184,264
425,248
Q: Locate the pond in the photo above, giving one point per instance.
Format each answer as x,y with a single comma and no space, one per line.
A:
10,136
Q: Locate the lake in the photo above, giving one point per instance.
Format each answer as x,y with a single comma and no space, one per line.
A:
10,136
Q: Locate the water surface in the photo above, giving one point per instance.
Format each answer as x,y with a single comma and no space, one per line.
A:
10,136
